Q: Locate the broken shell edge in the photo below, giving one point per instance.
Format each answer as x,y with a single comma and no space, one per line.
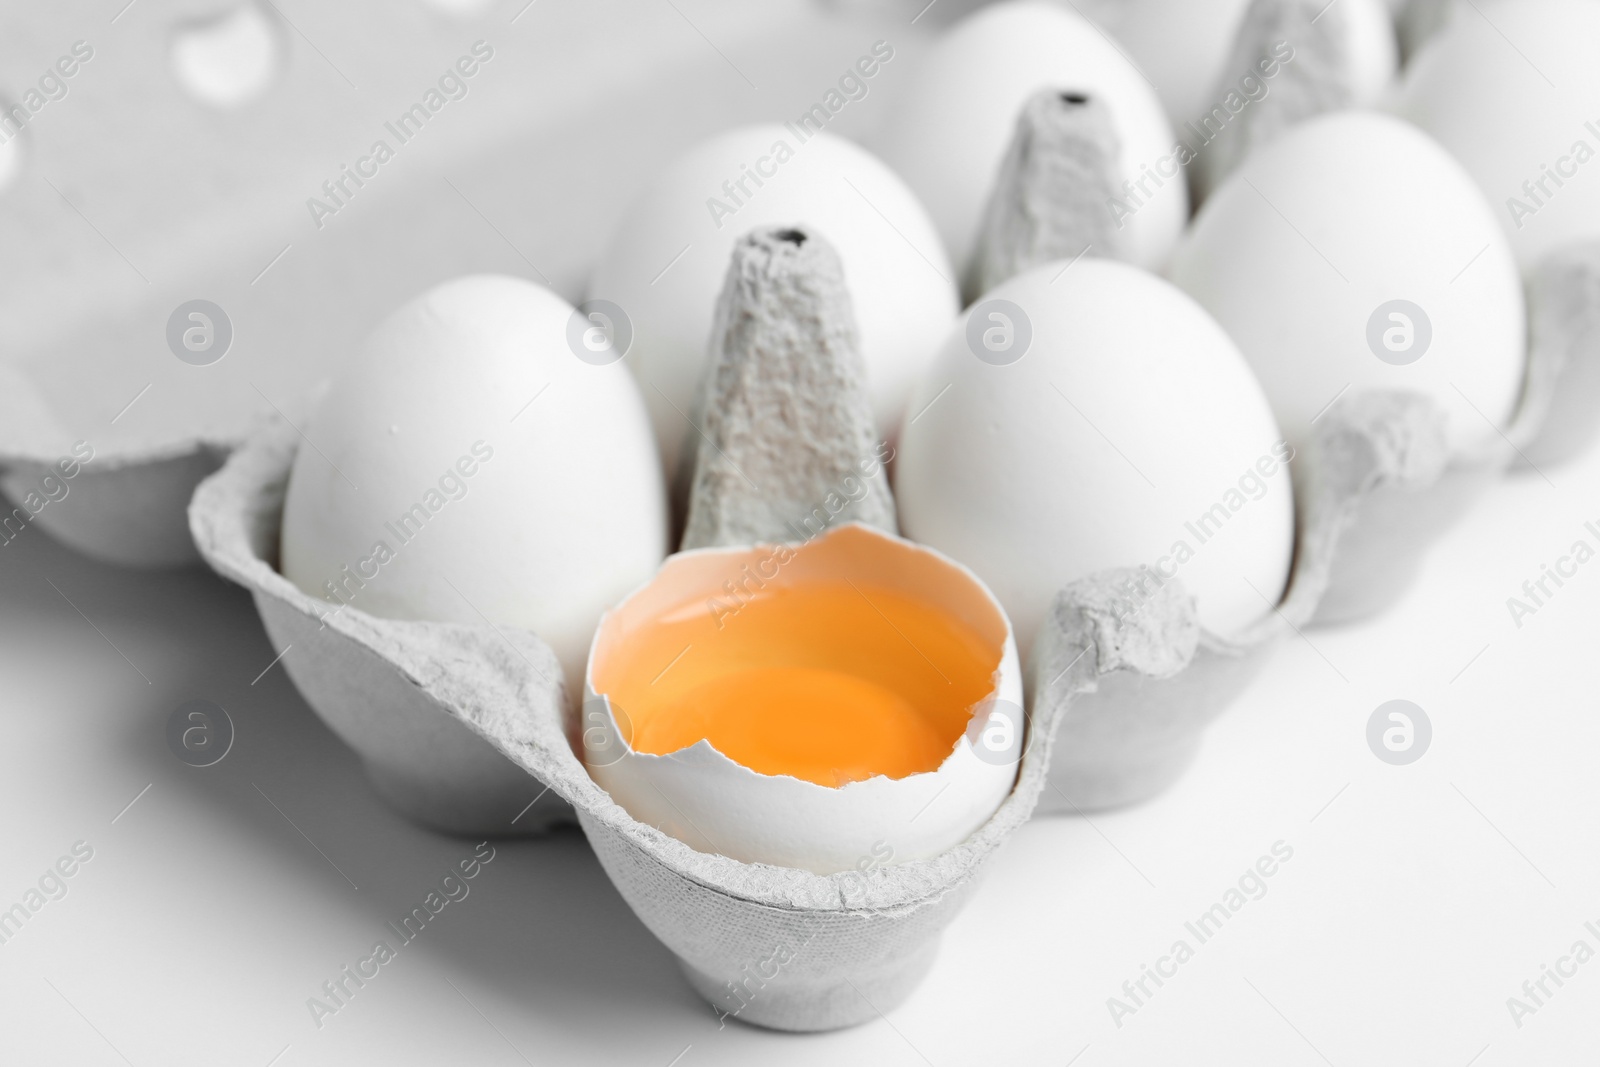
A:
709,799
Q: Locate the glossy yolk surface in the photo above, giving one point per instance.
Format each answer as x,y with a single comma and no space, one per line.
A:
827,682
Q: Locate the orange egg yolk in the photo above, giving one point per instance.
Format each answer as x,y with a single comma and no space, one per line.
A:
829,682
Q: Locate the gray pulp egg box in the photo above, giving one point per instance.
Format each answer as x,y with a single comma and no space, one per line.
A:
451,720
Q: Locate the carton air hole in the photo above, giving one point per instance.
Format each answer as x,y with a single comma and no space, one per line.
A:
230,59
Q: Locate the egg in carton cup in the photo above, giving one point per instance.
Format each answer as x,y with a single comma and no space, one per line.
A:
800,863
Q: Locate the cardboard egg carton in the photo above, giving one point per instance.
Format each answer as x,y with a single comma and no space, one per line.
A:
514,135
460,726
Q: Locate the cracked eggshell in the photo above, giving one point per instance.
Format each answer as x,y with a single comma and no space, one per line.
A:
540,492
669,256
1495,109
715,805
960,110
1300,250
1128,415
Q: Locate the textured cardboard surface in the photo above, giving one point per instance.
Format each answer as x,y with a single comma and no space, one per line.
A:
1049,201
787,422
130,514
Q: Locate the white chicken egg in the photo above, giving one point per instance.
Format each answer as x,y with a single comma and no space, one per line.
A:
959,112
836,705
1351,254
467,466
1094,417
669,258
1513,92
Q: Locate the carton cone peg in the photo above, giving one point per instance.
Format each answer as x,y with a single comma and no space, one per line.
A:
1323,74
1050,200
787,426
